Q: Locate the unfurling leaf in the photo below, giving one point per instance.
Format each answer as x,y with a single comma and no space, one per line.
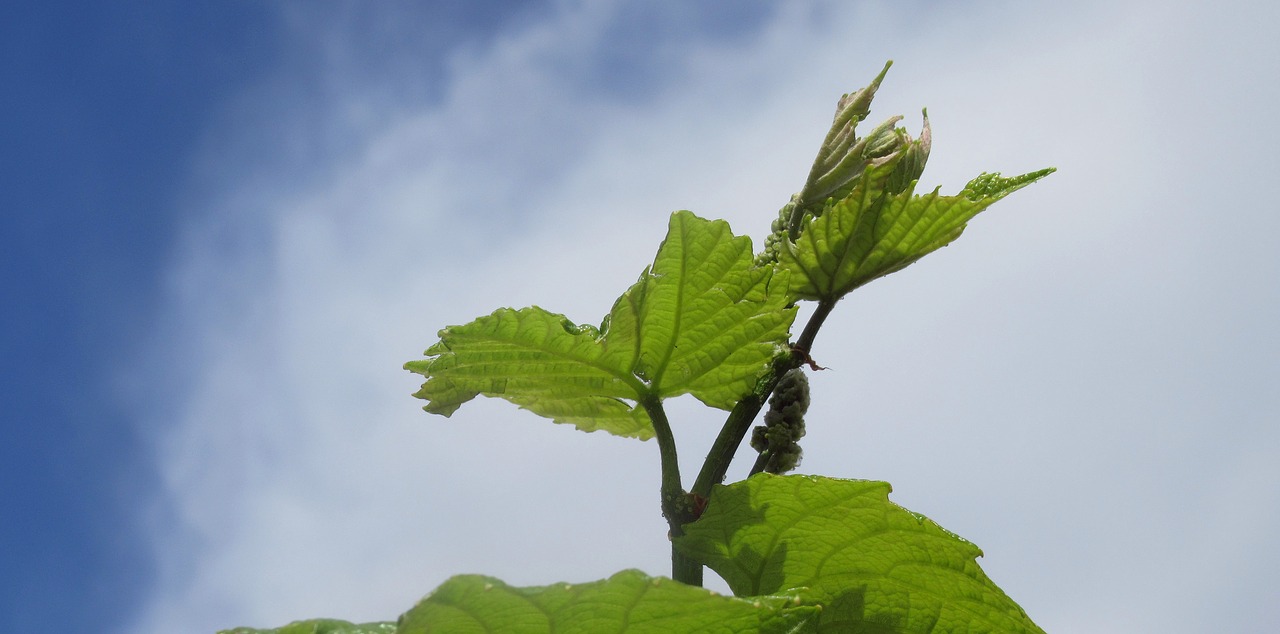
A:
702,320
842,160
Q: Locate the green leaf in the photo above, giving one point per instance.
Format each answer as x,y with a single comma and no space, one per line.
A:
870,563
321,626
537,360
702,320
874,231
629,601
842,160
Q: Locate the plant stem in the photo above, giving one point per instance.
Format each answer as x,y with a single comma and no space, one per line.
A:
762,461
734,430
675,502
744,413
816,320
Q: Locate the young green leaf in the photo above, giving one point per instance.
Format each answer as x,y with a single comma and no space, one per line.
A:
702,320
875,230
872,565
842,160
321,626
629,601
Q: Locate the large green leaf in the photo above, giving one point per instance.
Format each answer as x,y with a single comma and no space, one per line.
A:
873,231
629,601
321,626
702,320
874,566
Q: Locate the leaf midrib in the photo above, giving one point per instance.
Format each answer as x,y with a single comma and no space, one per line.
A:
676,328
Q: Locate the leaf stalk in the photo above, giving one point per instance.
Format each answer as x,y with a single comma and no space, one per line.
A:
676,506
744,413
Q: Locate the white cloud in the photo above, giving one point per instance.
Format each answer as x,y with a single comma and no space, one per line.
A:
1076,385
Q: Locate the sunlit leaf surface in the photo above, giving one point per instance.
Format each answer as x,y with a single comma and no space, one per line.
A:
873,232
702,320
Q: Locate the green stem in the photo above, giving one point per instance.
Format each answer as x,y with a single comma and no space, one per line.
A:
677,506
744,413
762,461
734,430
820,314
675,502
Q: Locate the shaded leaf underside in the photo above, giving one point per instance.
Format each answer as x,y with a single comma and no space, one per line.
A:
629,601
321,626
869,562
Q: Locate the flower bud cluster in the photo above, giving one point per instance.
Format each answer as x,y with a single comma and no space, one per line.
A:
778,440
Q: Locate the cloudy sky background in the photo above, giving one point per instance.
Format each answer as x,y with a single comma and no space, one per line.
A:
288,201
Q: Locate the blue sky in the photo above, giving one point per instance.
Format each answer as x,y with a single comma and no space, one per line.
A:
226,226
106,111
102,109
